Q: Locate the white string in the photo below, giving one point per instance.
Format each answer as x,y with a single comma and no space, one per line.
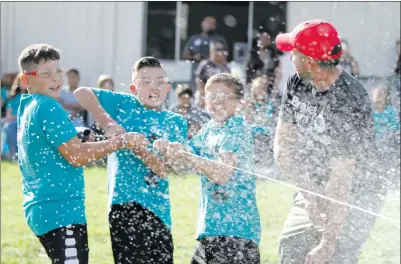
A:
304,190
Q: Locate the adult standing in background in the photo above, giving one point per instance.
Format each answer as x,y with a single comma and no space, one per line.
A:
207,68
68,101
264,60
198,46
347,61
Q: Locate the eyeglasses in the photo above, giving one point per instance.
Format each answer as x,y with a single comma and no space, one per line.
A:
219,96
46,73
147,82
222,52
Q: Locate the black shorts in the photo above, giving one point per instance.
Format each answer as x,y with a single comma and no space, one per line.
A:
139,236
67,245
226,250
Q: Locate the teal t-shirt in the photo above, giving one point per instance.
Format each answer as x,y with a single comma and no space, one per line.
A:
53,189
387,125
229,209
4,94
129,180
263,119
13,104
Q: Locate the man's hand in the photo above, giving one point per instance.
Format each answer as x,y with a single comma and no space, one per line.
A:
135,141
322,253
114,130
161,145
313,211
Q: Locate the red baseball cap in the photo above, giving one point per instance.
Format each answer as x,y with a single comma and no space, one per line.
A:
317,39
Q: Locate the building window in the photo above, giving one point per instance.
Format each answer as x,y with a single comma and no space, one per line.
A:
161,29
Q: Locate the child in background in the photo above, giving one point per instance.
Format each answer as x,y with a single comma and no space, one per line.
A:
260,113
387,127
228,224
139,200
195,116
10,121
68,101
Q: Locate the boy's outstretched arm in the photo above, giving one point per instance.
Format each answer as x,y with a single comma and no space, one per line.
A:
219,172
79,154
88,100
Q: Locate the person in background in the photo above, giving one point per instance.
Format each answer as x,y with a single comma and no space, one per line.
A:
68,101
6,82
198,46
264,60
347,61
286,71
105,82
195,116
207,68
10,121
387,127
259,113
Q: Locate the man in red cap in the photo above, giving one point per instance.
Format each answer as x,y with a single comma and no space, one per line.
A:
325,143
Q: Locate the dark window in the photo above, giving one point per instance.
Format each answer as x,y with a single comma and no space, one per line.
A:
161,29
270,16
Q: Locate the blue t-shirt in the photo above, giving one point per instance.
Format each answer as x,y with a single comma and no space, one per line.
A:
263,119
13,104
229,209
4,94
53,189
129,180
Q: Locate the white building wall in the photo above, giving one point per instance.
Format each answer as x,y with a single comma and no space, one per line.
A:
108,37
96,38
371,29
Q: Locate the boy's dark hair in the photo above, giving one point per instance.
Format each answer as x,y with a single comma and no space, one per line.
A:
184,89
149,61
73,70
34,54
228,80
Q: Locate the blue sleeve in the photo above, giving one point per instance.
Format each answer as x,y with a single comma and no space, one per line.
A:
55,123
110,100
195,143
181,130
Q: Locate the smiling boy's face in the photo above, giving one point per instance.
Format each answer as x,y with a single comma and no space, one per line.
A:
151,86
221,101
45,78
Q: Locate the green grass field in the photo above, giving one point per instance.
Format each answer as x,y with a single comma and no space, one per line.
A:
19,245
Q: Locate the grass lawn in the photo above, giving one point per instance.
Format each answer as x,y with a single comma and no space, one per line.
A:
19,245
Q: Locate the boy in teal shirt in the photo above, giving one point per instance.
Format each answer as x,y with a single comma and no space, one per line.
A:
228,224
139,202
51,158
